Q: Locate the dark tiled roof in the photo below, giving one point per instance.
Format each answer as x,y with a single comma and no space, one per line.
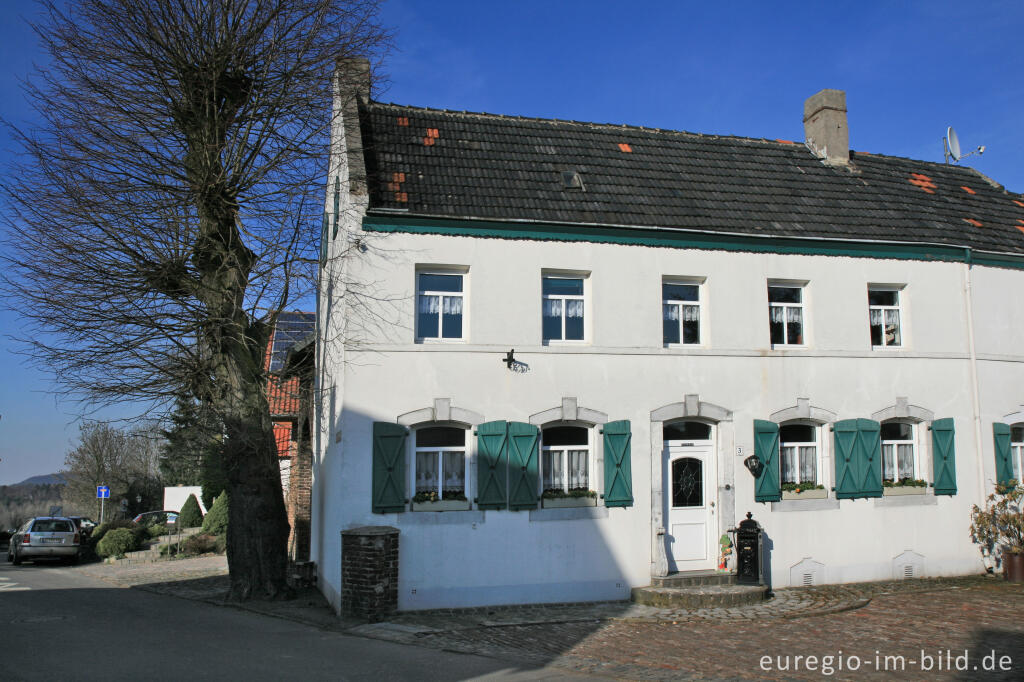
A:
461,165
291,328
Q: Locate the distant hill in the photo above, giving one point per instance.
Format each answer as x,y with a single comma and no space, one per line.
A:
46,479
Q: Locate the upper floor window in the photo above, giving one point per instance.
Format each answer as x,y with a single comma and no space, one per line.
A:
786,314
899,452
798,453
565,458
439,305
1017,450
440,462
884,312
563,303
681,312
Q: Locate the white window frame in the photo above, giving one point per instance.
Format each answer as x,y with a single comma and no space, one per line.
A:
816,444
1016,452
584,298
563,453
802,306
464,295
882,309
913,442
698,282
439,451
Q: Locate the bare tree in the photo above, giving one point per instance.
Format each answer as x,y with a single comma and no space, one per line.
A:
170,202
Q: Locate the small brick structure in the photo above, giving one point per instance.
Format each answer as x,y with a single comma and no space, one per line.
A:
369,572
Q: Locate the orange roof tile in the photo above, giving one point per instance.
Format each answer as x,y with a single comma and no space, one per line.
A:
785,141
967,189
972,221
1018,203
398,177
623,147
403,121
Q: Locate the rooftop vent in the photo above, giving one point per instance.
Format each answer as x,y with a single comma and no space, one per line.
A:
572,180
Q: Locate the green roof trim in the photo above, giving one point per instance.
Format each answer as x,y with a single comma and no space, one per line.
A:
686,240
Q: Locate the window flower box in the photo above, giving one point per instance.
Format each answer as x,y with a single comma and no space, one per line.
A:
808,494
567,502
441,505
904,490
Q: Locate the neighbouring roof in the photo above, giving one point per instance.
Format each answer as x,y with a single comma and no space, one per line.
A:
446,164
291,328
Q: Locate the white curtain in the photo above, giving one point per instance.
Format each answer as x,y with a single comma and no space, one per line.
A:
788,466
452,305
454,464
578,469
905,454
574,308
552,308
892,327
426,472
794,315
429,304
553,474
670,312
777,315
808,465
691,313
876,317
888,464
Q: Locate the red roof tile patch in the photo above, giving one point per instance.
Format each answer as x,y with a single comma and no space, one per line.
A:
1019,227
398,177
972,221
1019,221
433,132
920,176
623,147
394,186
922,181
403,121
428,141
402,197
1018,203
967,189
785,141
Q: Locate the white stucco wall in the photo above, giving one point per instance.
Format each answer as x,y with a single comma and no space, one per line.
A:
453,559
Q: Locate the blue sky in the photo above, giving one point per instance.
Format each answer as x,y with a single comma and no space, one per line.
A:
909,69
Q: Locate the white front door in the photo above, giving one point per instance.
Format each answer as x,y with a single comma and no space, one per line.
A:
690,489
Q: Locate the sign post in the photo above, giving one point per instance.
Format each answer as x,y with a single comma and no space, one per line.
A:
102,492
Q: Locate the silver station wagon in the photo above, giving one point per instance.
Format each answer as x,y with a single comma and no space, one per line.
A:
45,537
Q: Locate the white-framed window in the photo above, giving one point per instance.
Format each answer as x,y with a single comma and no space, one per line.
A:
1017,450
799,453
563,307
786,319
565,459
682,311
899,451
884,316
440,305
440,461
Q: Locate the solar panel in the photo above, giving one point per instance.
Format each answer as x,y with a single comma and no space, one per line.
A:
292,327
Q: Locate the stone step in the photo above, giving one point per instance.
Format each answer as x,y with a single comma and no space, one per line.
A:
694,579
700,596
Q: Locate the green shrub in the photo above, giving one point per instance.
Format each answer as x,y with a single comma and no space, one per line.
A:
116,542
155,530
190,516
200,544
216,521
99,531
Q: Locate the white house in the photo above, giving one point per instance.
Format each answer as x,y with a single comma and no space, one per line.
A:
582,341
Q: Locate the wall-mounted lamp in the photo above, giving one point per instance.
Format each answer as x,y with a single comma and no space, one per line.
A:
509,358
753,465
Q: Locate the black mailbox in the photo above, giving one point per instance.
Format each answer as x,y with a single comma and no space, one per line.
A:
749,550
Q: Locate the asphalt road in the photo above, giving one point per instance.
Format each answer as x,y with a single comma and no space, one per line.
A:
56,623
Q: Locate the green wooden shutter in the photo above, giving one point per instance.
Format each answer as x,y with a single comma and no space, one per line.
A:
523,440
869,441
766,448
618,475
1004,465
388,467
844,435
491,470
943,462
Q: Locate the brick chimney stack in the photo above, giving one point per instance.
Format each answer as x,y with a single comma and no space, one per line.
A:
825,126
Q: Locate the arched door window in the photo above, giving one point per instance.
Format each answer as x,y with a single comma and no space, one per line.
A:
687,482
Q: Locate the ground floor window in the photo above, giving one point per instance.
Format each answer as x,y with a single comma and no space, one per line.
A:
565,459
1017,450
440,466
798,453
899,452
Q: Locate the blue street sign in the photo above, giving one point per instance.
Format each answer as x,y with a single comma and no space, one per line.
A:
102,491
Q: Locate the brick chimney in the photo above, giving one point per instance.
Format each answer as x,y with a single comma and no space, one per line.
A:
825,126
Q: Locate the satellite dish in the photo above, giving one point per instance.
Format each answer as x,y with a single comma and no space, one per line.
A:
952,144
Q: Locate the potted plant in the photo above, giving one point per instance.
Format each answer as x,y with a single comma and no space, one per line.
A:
560,499
1001,525
803,491
431,501
905,486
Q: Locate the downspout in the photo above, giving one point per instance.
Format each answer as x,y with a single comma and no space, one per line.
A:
969,304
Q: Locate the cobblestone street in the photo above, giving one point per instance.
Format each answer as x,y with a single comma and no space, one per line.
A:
853,632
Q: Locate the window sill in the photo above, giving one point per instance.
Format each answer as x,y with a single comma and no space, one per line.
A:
537,515
441,506
920,500
568,502
446,519
434,340
825,504
904,490
813,494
